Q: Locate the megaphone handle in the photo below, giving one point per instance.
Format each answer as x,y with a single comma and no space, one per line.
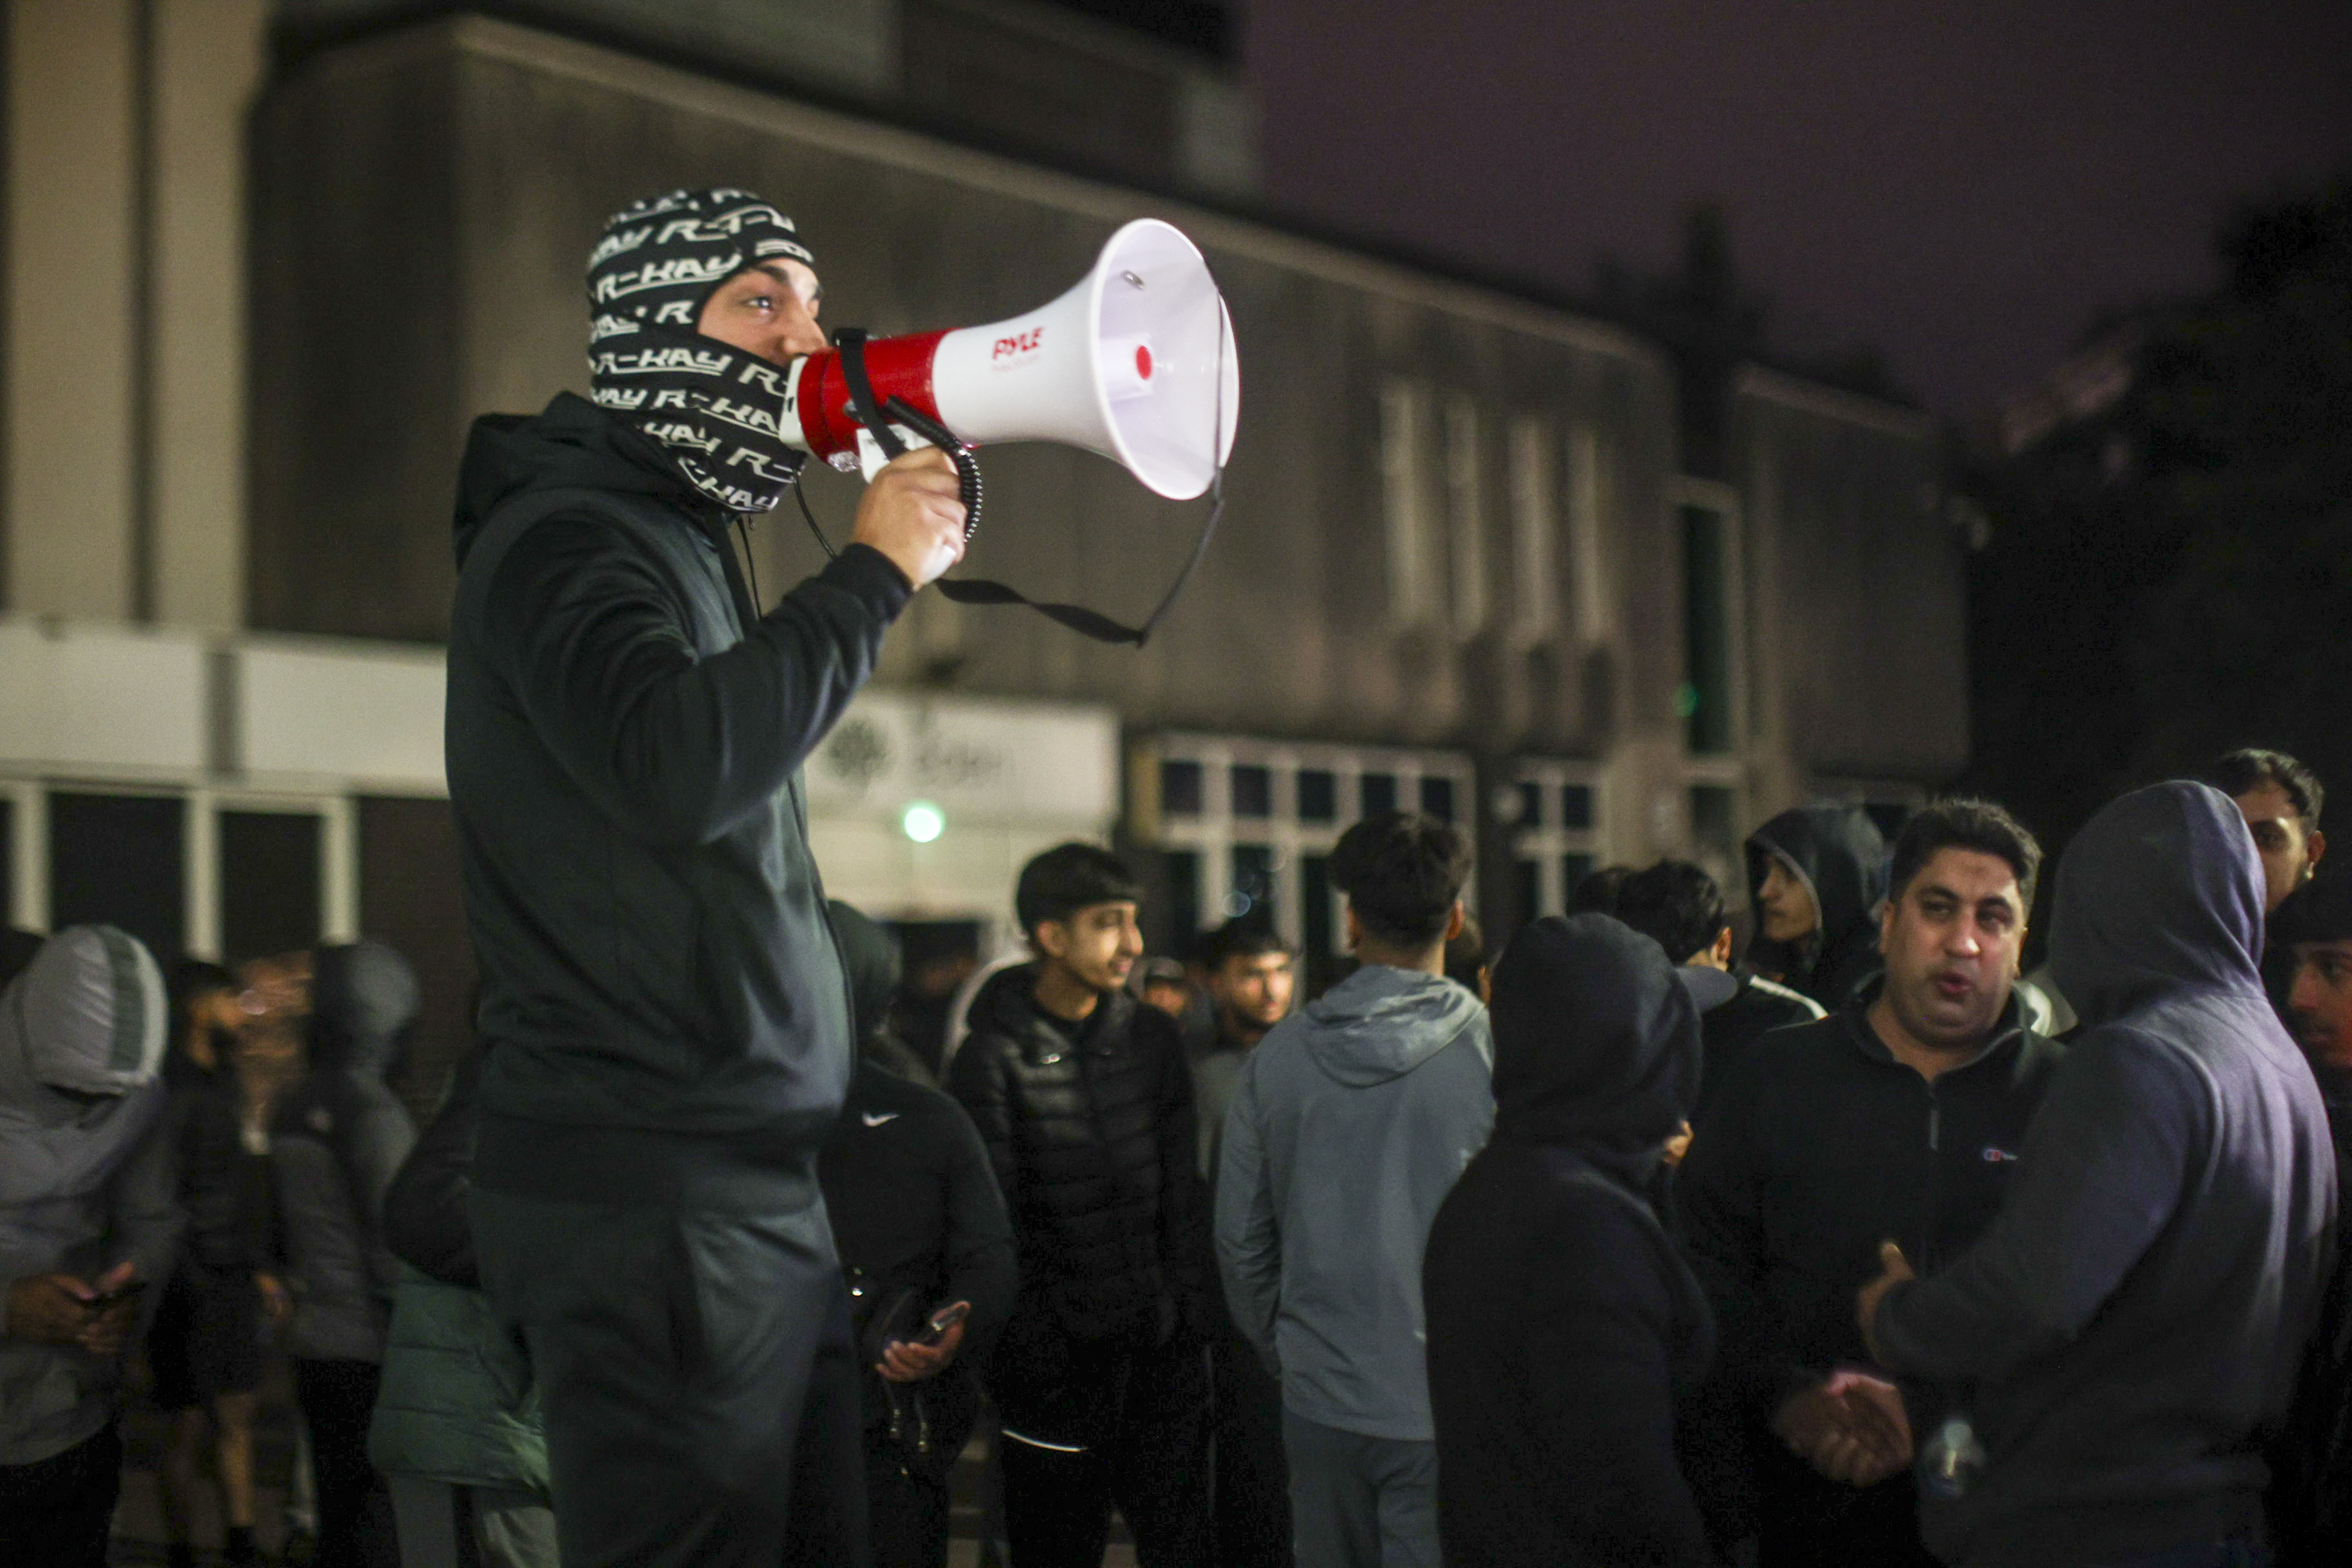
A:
850,343
967,467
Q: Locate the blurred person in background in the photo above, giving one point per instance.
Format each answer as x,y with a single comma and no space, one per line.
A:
924,1241
1900,1116
1678,905
1466,959
2280,799
88,1226
1166,987
338,1136
2129,1329
1595,892
1252,979
456,1429
1816,877
207,1346
1351,1120
1084,1102
1564,1330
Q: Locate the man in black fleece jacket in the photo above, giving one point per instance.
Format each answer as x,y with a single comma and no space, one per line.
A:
1083,1099
2127,1331
666,1018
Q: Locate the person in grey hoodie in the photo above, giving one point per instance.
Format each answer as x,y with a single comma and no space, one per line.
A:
1352,1121
2126,1334
87,1220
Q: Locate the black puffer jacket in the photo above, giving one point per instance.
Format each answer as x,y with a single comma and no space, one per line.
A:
1839,853
1090,1130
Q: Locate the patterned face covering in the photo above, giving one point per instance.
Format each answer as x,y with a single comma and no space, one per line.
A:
716,409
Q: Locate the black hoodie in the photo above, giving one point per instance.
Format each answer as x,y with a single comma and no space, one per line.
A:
664,1011
1563,1327
2132,1320
1838,851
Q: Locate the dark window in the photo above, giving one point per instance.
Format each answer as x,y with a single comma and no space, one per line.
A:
1183,870
1706,634
1318,795
1379,794
1574,869
1180,788
268,882
1530,805
1713,822
1437,797
1576,806
1252,892
7,861
1531,890
411,898
1253,790
1315,905
119,859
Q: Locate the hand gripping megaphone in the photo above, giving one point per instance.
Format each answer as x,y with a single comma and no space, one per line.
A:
1136,362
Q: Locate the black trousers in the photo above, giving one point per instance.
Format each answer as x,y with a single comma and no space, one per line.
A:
907,1510
1253,1475
54,1513
1148,1452
355,1528
698,1378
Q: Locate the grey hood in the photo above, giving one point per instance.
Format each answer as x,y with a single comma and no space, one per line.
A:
86,1017
2160,891
1381,1023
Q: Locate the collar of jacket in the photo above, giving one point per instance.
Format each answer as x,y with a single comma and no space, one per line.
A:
2008,1031
1043,1040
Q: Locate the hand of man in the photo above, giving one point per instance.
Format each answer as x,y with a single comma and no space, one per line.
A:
913,513
47,1310
1894,1268
274,1301
905,1363
105,1328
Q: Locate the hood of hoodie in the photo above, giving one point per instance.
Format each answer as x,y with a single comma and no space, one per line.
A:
571,444
1381,1023
869,956
2160,891
1596,1039
364,1001
82,1032
1840,855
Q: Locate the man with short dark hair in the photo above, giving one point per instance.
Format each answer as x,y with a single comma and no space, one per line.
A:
2280,799
1816,876
1901,1116
1084,1104
2128,1327
1252,978
1352,1121
1678,905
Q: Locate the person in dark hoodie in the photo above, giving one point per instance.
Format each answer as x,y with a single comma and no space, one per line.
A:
2126,1333
923,1237
1816,876
1900,1116
338,1136
1084,1104
1564,1330
88,1227
667,1025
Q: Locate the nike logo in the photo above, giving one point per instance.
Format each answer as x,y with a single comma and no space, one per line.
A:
873,1120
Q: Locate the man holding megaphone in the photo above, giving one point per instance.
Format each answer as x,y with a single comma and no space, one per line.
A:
665,1015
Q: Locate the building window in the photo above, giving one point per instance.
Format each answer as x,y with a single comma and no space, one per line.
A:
1535,572
1404,503
1557,838
271,891
1253,790
1465,515
1576,807
1706,692
1180,788
1319,794
1437,797
120,859
1250,890
1183,870
1379,794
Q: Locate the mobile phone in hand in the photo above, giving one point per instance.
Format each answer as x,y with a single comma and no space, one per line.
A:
944,1320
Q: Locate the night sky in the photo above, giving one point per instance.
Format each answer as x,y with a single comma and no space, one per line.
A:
1962,184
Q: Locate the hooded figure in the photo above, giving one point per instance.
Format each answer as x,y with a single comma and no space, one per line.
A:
2126,1331
1839,855
1564,1328
85,1177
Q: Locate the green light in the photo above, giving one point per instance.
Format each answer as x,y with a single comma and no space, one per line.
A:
923,821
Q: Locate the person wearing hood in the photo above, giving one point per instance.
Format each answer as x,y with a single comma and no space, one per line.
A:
337,1137
2126,1333
1901,1116
1351,1123
1564,1330
1816,876
925,1241
87,1224
1084,1104
668,1029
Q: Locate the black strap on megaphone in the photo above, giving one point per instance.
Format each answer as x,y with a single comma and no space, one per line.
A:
851,343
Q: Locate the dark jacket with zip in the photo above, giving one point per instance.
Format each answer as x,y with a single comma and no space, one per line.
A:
2132,1321
1818,1147
1089,1128
665,1010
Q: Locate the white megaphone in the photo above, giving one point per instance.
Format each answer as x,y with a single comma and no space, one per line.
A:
1136,362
